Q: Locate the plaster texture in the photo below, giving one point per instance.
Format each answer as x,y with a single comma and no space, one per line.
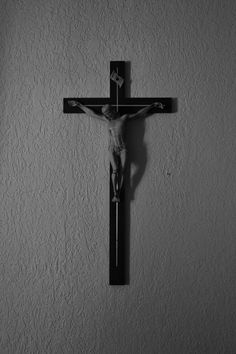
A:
54,177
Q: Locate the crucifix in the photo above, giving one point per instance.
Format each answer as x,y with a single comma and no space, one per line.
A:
116,111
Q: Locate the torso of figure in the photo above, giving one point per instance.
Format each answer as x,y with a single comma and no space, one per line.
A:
116,133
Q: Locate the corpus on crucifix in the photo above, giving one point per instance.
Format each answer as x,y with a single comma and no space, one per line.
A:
116,128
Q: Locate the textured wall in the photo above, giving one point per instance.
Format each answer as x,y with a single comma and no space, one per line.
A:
54,293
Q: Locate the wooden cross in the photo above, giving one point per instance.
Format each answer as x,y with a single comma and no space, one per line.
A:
122,104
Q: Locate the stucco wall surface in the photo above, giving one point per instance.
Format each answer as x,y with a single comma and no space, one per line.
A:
54,178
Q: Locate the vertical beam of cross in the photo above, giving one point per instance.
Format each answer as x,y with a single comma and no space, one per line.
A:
118,256
118,99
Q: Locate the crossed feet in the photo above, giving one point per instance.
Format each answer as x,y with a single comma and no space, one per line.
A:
116,199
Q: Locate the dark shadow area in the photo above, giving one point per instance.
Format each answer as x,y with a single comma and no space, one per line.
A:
136,155
127,79
174,105
135,168
136,148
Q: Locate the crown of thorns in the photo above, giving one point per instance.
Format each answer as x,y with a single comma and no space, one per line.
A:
107,108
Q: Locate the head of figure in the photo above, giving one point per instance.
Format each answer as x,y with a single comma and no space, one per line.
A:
109,112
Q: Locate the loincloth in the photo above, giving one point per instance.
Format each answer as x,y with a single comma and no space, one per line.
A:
117,149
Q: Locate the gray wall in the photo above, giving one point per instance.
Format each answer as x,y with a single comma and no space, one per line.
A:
54,292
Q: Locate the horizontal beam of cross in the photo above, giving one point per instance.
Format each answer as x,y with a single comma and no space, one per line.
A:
128,105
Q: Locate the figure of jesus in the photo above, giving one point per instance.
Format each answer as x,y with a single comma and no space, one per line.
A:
117,148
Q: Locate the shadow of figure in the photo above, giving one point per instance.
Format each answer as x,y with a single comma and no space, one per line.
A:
134,170
136,148
136,155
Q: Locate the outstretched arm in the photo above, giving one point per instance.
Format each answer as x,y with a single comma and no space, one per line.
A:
86,110
144,112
